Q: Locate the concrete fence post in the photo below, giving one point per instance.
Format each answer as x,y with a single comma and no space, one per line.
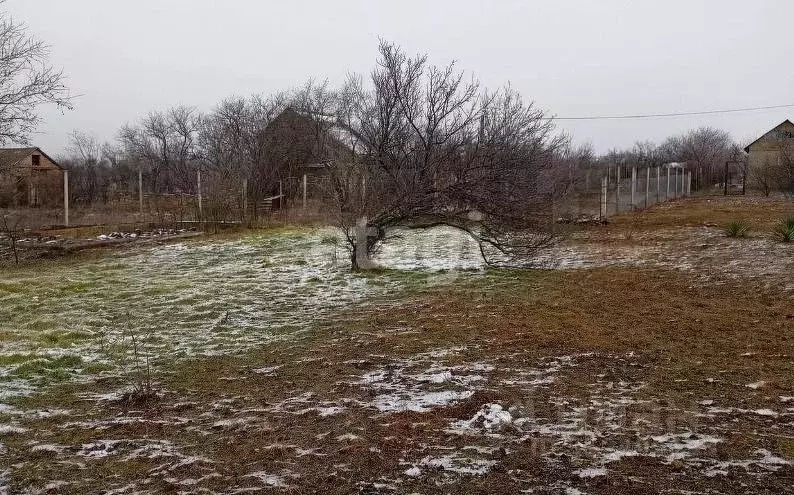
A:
667,194
633,187
679,188
604,185
198,192
245,198
66,198
658,184
689,184
647,185
304,191
140,191
617,190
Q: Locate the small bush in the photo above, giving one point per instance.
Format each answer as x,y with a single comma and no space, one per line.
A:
737,228
785,230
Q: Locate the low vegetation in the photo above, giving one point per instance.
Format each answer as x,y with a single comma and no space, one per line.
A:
665,360
737,228
784,231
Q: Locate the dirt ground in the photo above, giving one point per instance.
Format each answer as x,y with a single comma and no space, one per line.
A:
657,357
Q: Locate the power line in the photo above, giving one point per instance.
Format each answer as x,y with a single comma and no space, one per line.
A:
676,114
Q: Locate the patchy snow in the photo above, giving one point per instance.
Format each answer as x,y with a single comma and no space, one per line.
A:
459,464
413,472
490,416
756,385
418,401
590,472
686,441
269,479
11,429
267,370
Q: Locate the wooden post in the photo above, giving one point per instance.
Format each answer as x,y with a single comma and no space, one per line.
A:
304,191
617,191
604,185
198,192
647,184
66,198
140,191
633,186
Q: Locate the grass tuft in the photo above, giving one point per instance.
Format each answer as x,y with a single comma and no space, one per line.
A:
784,230
736,228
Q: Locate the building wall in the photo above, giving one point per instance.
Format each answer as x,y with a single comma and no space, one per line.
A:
26,184
766,151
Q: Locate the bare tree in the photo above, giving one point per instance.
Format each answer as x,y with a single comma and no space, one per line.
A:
433,149
705,151
11,228
27,80
166,143
86,167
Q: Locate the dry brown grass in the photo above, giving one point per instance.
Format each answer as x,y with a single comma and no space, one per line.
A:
681,339
758,212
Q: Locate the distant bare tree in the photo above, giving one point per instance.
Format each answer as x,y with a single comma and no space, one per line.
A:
233,142
738,157
166,143
85,163
705,151
435,150
27,80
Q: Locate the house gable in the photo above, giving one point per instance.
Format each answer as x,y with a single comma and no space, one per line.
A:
771,139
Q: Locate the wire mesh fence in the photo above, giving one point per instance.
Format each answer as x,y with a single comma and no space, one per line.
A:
603,192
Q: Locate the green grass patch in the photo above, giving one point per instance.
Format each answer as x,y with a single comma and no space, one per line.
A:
41,325
54,367
13,287
14,359
62,339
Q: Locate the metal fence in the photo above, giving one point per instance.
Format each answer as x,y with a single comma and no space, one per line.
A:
603,192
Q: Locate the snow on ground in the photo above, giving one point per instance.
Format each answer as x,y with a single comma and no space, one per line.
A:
201,298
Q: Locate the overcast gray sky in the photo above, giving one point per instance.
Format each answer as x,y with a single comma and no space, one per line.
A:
574,58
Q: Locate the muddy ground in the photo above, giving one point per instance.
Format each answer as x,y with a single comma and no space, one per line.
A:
657,357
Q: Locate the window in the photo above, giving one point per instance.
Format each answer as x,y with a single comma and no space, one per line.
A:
36,160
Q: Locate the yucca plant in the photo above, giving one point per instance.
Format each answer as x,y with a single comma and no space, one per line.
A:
737,228
785,230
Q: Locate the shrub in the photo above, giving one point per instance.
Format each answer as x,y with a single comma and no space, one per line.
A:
785,230
736,228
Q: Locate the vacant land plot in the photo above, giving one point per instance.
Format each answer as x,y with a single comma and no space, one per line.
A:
658,357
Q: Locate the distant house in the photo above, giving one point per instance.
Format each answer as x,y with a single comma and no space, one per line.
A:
767,151
299,143
29,178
